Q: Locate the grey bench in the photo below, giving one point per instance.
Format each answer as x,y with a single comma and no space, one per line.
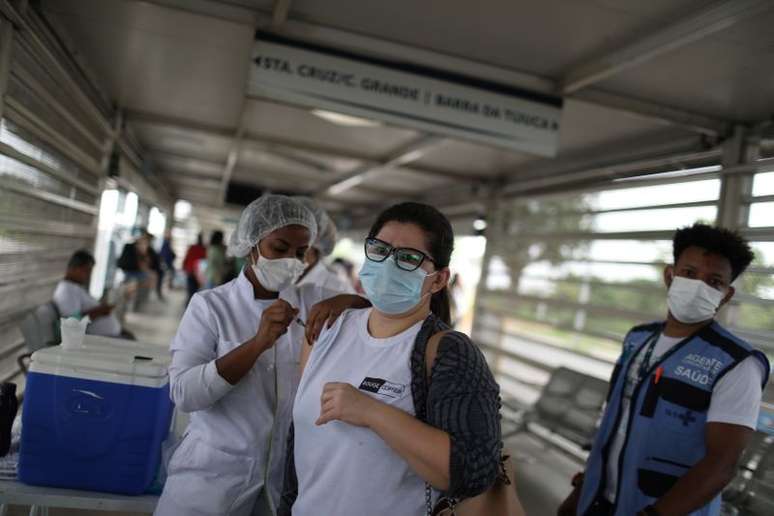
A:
569,407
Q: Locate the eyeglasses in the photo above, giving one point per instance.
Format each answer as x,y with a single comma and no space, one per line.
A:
406,258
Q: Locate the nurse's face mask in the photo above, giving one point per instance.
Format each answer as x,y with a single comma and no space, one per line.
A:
277,274
392,277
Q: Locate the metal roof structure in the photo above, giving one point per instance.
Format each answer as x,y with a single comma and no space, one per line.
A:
647,86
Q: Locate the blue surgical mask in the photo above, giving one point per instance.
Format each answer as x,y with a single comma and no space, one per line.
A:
392,290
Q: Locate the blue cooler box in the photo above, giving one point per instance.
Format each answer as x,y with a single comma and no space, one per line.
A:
94,417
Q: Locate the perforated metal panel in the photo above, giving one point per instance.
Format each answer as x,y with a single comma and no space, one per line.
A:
51,145
568,274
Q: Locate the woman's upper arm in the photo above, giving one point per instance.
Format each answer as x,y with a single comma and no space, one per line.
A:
198,329
195,383
464,401
306,350
196,341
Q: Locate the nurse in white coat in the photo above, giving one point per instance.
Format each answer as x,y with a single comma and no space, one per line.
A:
235,368
317,273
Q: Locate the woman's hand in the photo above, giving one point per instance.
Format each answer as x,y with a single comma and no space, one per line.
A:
325,313
343,402
274,323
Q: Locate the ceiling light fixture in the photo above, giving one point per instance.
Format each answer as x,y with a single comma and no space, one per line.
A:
345,185
345,120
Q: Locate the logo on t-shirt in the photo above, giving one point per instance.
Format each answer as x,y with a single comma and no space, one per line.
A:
382,387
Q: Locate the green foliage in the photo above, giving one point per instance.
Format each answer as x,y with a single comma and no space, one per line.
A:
529,220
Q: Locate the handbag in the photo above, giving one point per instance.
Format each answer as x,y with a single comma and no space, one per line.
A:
499,500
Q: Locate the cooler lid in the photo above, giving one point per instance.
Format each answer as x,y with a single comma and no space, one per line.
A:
125,365
97,342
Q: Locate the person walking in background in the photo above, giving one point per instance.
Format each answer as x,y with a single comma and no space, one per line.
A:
217,265
140,264
457,300
167,256
193,256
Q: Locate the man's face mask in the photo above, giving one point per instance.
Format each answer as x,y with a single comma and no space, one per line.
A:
279,274
691,301
392,290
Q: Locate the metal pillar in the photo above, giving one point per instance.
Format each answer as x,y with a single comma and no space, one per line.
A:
6,42
735,192
736,189
497,218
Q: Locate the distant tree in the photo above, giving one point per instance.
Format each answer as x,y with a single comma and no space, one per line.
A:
527,223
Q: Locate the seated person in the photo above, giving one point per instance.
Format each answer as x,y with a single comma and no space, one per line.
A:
72,298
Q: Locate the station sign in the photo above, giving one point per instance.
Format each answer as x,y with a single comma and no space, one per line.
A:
435,101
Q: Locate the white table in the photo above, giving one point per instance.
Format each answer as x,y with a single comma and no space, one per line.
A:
41,498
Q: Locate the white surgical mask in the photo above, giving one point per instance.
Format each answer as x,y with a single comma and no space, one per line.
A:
692,301
279,274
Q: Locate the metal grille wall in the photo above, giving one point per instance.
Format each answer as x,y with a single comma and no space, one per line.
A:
53,140
566,275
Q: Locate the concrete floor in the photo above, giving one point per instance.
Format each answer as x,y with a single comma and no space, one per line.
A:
543,474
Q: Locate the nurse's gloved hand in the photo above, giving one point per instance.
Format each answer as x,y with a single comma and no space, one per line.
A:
274,323
342,402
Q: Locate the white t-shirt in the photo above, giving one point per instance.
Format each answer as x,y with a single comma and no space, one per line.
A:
73,300
736,399
343,469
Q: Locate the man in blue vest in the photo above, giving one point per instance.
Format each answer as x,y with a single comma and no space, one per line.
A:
684,396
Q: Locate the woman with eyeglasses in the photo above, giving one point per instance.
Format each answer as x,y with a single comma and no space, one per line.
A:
374,434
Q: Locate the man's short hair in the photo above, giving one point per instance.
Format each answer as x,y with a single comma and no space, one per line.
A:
724,242
80,258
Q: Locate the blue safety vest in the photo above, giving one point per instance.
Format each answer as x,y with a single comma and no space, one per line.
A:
668,411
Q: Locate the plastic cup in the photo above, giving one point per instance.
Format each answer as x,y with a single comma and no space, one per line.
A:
73,333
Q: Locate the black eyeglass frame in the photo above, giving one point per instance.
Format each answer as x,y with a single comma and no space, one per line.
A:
393,252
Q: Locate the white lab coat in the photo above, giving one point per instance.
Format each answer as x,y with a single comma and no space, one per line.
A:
322,276
235,443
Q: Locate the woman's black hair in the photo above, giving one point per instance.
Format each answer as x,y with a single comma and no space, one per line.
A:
439,237
216,238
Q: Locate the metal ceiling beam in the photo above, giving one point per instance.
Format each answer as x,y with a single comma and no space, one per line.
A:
637,156
698,25
163,154
226,11
372,46
233,153
194,181
6,43
665,115
402,156
281,146
279,14
172,173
